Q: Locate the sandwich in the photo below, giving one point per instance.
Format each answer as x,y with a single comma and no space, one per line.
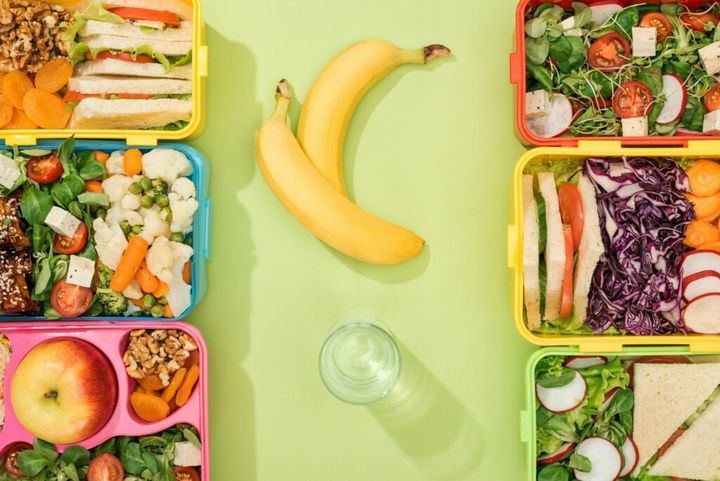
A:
133,65
589,251
666,396
531,255
555,247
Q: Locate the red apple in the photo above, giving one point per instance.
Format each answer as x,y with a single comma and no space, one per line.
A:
64,391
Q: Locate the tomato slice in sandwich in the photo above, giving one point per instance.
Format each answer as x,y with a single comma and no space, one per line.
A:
163,16
77,96
571,211
566,302
124,56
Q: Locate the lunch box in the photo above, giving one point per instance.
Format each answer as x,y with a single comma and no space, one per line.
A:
141,137
201,220
112,340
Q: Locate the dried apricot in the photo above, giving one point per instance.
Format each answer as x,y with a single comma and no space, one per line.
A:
149,407
14,86
172,389
6,111
193,359
20,121
188,383
46,109
54,75
151,382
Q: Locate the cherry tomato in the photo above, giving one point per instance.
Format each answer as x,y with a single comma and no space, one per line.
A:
105,467
698,21
124,56
163,16
660,22
10,458
70,300
632,99
571,211
609,52
712,98
71,245
44,170
566,303
183,473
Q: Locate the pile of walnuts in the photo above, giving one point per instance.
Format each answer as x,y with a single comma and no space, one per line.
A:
160,351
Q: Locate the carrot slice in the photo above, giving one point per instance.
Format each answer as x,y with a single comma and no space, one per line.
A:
162,290
706,208
6,111
93,186
701,232
14,86
129,264
567,289
20,121
188,383
704,178
101,156
711,246
132,162
148,282
187,272
168,312
46,109
54,75
174,385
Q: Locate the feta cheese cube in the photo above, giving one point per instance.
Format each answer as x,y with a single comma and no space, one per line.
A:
80,271
644,41
635,127
62,221
711,123
568,23
710,57
573,32
186,454
537,104
9,172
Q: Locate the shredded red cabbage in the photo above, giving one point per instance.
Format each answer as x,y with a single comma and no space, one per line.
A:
643,218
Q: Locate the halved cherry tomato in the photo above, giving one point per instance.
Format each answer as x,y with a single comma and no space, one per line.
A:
71,245
124,56
10,458
106,467
70,300
609,52
601,103
698,21
44,170
660,22
77,96
571,211
94,186
632,99
566,303
712,98
163,16
185,473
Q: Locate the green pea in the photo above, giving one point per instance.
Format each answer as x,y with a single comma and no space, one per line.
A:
146,201
162,301
162,200
146,184
177,237
149,301
131,235
101,213
157,311
137,229
125,226
166,214
136,188
159,186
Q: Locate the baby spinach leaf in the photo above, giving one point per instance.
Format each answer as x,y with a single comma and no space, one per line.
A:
109,446
536,27
583,14
537,50
554,472
623,401
76,455
580,462
131,457
560,49
564,378
35,205
32,462
627,19
541,74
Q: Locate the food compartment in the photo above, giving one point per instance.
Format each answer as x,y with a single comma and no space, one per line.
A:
111,340
106,193
603,69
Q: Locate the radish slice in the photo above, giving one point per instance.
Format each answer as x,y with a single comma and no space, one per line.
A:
604,457
601,11
702,315
608,399
697,285
631,455
558,455
699,261
564,398
556,122
675,99
582,362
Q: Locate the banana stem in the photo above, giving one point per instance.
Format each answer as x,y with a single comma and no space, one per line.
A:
434,51
283,97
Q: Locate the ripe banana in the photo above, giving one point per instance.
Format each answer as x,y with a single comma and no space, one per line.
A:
332,100
317,204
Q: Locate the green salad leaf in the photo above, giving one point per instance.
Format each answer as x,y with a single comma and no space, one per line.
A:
554,472
35,205
580,462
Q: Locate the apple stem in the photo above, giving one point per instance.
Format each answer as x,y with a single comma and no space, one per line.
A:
51,395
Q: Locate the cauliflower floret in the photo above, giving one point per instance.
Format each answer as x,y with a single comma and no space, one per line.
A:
115,163
160,259
179,295
182,213
116,187
133,291
110,243
153,226
167,164
134,218
131,201
184,188
116,214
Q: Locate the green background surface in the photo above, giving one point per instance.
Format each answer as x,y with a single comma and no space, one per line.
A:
431,149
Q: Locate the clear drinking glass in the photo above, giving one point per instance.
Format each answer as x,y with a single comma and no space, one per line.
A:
359,361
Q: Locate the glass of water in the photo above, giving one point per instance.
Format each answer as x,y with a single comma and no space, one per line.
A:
359,361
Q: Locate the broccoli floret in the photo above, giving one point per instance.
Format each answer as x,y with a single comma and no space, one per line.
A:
114,303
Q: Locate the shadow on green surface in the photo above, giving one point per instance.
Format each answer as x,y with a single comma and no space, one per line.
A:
429,424
233,115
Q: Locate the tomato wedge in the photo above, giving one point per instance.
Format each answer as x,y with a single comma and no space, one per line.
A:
632,99
106,467
571,211
70,300
185,473
660,22
44,170
609,52
163,16
124,56
77,96
712,98
700,22
566,303
71,245
10,458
